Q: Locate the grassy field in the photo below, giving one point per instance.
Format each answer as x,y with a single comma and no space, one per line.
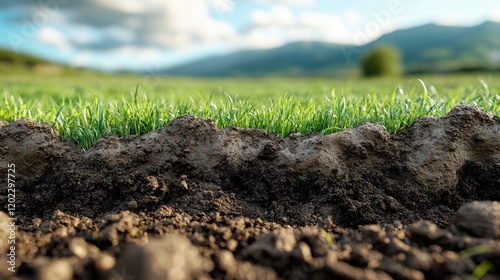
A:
87,106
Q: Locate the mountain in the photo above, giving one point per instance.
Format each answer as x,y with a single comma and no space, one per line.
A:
433,45
293,58
425,48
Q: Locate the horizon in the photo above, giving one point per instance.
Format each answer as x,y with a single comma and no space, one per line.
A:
114,36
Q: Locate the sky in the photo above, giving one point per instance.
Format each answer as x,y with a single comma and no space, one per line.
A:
148,35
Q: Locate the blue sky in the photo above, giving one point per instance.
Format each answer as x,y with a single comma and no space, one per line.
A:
151,34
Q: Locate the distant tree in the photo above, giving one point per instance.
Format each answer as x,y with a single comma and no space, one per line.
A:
382,61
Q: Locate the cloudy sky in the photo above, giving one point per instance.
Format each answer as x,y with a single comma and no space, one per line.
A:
147,34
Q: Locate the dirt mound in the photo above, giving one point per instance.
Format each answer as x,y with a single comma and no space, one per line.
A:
248,206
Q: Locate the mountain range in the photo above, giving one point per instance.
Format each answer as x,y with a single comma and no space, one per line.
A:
427,48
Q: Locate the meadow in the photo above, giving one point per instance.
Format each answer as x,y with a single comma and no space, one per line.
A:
87,106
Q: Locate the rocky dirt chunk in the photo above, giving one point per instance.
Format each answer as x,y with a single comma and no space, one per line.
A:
171,257
34,147
439,147
242,270
55,269
123,226
479,218
342,270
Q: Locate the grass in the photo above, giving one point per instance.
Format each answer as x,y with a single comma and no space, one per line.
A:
328,237
482,268
87,108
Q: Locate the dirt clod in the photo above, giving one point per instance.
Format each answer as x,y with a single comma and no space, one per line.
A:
132,205
104,262
479,218
358,204
172,257
56,269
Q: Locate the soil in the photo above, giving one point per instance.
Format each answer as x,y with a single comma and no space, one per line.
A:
191,201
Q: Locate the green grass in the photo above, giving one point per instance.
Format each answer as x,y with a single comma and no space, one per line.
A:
482,268
87,107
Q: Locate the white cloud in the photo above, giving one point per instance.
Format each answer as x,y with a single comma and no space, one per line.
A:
495,15
353,17
261,17
167,25
223,6
320,20
279,24
148,23
328,27
276,16
53,37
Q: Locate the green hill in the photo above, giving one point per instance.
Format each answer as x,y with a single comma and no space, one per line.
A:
19,63
433,46
19,59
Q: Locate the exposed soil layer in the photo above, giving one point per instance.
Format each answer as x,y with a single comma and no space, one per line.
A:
191,201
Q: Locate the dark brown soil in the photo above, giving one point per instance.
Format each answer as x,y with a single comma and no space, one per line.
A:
191,201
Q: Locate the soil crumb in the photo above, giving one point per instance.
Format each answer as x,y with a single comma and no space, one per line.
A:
192,201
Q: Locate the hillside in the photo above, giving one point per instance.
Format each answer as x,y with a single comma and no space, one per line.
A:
291,59
19,59
19,63
444,46
428,47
